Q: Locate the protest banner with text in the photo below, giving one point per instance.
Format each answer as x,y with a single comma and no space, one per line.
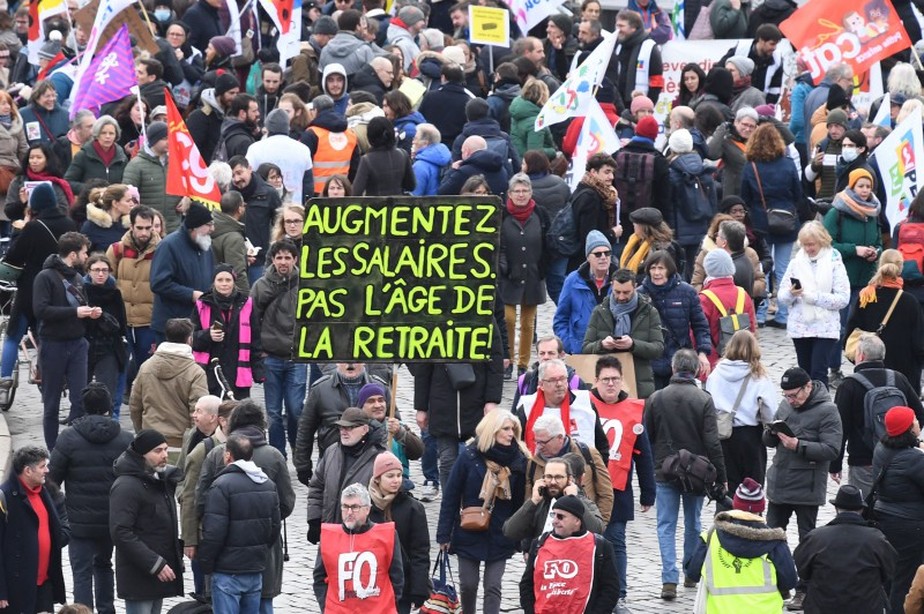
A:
398,279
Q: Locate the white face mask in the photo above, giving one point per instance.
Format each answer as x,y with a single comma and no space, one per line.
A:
849,155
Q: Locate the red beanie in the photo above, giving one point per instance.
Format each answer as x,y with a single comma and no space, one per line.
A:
647,127
898,420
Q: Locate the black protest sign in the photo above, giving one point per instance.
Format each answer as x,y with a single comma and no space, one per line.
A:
398,279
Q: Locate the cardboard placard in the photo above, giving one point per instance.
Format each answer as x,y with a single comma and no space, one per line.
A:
585,365
489,26
137,27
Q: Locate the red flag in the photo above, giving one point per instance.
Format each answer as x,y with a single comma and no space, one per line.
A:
859,32
187,174
280,11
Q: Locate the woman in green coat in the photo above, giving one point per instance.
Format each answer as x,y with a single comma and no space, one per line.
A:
523,112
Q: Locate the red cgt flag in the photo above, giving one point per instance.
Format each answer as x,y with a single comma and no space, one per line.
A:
187,174
859,32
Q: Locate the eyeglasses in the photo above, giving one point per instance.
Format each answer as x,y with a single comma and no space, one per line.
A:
746,126
347,428
604,254
99,270
555,478
559,516
789,396
292,222
610,381
555,381
545,442
521,191
352,508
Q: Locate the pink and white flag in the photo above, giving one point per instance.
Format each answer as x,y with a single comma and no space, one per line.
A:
110,75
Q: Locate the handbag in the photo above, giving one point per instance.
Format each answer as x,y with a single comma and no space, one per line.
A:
779,221
725,419
461,375
853,339
475,518
702,27
693,474
443,598
9,272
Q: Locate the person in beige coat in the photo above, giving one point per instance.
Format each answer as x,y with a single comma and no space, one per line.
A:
168,385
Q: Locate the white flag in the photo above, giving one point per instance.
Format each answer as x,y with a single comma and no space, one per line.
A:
884,113
897,160
573,98
597,135
530,12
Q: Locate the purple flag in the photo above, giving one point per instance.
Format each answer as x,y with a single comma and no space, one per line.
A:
110,76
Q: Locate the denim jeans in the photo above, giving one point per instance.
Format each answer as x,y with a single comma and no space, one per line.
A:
236,593
285,382
555,275
140,346
781,252
813,355
667,504
144,607
449,448
428,462
62,362
615,533
14,334
91,564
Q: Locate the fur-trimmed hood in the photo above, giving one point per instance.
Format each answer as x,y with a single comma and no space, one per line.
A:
97,215
746,535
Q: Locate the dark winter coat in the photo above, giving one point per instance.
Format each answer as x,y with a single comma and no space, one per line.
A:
800,477
456,413
143,527
499,102
462,490
845,565
578,299
227,350
82,462
782,189
523,259
901,491
29,250
204,122
20,548
682,416
445,109
647,339
384,172
87,165
103,340
203,23
484,162
56,315
661,183
274,299
681,317
849,400
56,120
747,536
903,335
689,226
236,136
367,80
590,214
179,268
241,521
488,128
262,203
410,520
101,230
550,192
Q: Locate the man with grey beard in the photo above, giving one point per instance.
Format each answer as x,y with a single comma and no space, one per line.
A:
182,268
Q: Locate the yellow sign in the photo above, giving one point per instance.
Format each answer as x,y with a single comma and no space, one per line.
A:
489,26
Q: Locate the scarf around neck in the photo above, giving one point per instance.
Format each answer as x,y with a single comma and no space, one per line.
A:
380,499
868,294
605,191
521,214
622,313
105,155
46,176
635,253
850,203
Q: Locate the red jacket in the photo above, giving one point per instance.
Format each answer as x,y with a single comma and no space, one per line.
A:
727,292
569,143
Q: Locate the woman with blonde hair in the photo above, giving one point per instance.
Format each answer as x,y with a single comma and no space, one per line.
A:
297,112
107,215
815,287
523,111
741,371
489,473
903,334
289,223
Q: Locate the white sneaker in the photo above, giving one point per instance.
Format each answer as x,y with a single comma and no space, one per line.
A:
621,607
429,492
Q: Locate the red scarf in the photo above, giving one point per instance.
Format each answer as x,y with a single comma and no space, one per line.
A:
397,22
107,156
538,409
45,176
521,214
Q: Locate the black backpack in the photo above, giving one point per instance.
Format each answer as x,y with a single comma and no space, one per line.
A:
634,179
876,402
694,195
563,235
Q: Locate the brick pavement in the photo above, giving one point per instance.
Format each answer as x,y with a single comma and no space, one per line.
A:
298,596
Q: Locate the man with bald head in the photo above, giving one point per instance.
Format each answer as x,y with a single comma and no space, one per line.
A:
477,159
375,77
683,117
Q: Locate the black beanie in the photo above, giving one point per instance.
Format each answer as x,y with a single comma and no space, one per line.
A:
96,399
572,505
197,215
146,440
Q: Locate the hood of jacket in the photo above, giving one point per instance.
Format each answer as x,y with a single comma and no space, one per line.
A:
746,535
230,125
777,8
334,68
689,162
97,429
208,98
330,119
414,117
172,359
248,468
362,113
97,215
486,127
131,463
522,109
254,434
343,45
818,396
507,91
430,64
128,241
365,77
225,224
486,160
732,371
53,261
436,154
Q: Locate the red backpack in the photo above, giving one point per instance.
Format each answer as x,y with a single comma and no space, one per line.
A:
911,247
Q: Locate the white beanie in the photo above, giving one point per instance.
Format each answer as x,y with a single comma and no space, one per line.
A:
681,141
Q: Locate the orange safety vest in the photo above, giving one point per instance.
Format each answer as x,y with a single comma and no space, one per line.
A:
622,423
335,150
357,569
563,574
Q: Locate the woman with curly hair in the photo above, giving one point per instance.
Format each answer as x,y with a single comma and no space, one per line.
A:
770,182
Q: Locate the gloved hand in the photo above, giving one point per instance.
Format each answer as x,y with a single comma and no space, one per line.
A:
304,474
314,531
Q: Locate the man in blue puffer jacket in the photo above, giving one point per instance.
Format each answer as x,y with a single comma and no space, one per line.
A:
430,157
582,291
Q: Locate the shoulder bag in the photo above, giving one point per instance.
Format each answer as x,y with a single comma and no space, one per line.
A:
725,419
779,221
869,512
853,340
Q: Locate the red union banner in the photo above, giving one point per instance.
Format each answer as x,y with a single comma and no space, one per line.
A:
187,174
859,32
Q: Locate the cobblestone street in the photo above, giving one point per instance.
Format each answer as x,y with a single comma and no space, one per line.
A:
644,563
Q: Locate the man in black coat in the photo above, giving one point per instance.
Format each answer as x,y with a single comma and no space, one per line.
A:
845,563
445,107
477,159
236,538
82,461
203,23
262,202
591,210
204,123
143,523
28,506
238,127
849,400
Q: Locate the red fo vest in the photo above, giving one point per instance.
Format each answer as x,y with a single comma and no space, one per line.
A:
564,574
622,423
244,377
357,569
